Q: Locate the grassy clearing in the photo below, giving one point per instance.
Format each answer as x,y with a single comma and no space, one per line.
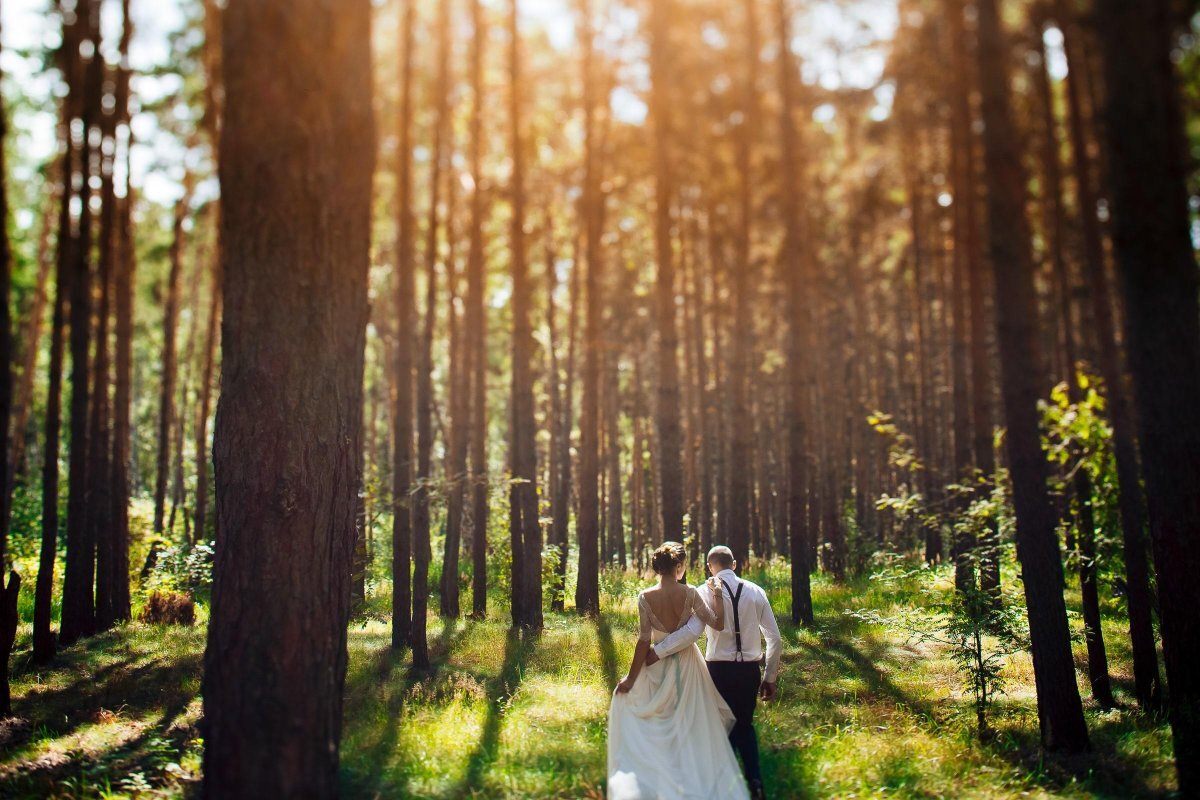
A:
862,713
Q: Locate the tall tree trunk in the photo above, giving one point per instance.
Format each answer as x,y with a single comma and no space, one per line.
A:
296,191
10,587
1130,501
123,302
587,523
667,410
1085,523
960,161
421,491
740,369
456,444
523,497
559,455
166,396
967,243
476,322
1060,711
78,605
43,637
796,277
1148,169
204,403
405,315
31,341
100,453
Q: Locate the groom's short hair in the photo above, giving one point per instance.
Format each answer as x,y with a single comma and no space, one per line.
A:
722,555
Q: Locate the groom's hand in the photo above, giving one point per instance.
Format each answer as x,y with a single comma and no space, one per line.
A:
651,658
768,691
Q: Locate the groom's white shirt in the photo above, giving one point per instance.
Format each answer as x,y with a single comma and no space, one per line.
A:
755,614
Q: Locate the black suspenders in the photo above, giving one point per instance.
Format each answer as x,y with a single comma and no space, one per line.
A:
737,624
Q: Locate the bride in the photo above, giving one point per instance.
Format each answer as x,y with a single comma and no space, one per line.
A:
668,727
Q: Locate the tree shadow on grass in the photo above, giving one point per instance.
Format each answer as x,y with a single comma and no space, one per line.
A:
1105,770
148,753
608,651
518,646
124,686
380,671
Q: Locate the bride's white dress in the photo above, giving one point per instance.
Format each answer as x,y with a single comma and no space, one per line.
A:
668,736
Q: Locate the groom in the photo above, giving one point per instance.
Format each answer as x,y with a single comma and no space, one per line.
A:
735,656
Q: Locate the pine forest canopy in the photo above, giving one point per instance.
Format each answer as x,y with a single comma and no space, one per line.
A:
328,312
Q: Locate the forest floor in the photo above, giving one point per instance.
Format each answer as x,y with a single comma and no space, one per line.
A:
862,712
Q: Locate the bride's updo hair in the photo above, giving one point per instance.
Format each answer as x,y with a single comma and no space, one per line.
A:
668,557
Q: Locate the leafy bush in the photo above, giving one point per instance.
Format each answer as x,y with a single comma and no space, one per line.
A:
183,568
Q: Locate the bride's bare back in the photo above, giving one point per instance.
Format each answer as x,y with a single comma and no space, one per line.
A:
667,602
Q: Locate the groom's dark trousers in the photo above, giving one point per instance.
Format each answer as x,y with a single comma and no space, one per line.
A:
738,683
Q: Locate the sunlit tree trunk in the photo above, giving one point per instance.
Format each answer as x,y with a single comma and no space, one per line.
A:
476,322
587,589
795,276
424,379
525,528
296,192
31,341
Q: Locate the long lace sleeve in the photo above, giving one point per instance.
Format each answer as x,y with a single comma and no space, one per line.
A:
700,607
643,618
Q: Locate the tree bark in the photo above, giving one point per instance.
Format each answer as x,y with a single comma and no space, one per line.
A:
796,277
1148,168
1060,711
587,523
44,644
296,190
405,323
1084,518
78,605
1130,501
476,323
667,413
525,528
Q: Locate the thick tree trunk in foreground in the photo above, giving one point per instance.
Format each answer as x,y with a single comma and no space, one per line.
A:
296,191
1148,170
1060,710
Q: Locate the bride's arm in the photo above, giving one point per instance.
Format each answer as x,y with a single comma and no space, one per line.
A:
639,652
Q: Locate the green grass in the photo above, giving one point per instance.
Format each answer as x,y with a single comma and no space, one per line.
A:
862,713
